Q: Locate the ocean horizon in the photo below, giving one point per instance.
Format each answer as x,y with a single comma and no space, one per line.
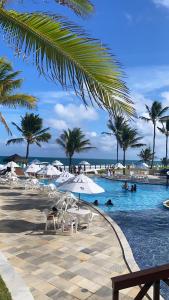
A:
76,161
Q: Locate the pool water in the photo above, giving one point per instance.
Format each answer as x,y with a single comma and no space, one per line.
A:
146,197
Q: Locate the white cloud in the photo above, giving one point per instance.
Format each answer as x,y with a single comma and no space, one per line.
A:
164,3
57,124
50,96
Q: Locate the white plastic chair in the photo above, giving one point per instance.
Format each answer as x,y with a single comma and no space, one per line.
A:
70,222
50,220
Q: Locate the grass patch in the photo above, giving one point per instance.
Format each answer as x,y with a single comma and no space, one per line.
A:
4,293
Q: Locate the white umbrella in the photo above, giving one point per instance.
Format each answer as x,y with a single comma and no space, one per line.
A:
64,176
2,167
33,168
81,184
12,164
49,171
143,166
83,162
119,166
57,163
36,162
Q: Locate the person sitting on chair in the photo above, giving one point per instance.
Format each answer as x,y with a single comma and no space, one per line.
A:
54,211
109,203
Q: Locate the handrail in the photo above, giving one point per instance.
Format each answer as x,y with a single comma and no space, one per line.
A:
148,277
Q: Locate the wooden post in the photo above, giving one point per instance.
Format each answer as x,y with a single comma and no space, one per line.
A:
156,291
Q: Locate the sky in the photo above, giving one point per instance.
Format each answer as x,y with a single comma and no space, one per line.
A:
136,31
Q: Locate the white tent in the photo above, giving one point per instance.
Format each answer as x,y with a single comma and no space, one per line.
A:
36,162
33,168
81,184
142,166
64,176
49,170
57,163
119,166
12,164
83,162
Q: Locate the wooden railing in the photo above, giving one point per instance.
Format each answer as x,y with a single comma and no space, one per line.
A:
145,279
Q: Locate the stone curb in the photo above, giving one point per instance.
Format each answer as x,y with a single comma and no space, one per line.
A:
13,281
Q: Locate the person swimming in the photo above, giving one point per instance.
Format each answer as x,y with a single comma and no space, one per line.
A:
96,202
132,188
135,187
125,186
109,203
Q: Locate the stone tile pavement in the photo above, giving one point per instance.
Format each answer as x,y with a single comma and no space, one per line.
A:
58,266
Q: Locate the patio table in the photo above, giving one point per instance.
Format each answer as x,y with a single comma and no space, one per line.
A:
80,211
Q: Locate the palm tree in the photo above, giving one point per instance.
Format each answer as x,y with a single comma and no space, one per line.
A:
115,127
146,155
73,141
165,130
62,52
129,139
8,83
32,132
155,114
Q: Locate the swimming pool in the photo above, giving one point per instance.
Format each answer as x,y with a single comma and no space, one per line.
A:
146,197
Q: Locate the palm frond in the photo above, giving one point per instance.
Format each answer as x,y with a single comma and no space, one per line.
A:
3,121
145,119
17,127
18,99
15,141
71,58
107,133
164,110
80,7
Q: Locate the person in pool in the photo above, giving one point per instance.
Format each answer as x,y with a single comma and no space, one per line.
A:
125,186
96,202
135,188
109,203
132,188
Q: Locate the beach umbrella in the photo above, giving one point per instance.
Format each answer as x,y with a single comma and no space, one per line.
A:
33,168
81,184
57,163
12,164
119,166
49,170
83,162
64,176
36,162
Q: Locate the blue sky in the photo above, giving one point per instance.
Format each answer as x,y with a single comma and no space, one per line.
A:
136,31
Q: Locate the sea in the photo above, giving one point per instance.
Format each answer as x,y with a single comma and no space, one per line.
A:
76,161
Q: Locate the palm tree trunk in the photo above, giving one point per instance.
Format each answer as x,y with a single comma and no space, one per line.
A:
117,152
124,161
70,163
166,150
27,152
154,139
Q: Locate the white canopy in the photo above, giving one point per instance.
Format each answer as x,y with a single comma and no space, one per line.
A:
143,166
83,162
33,168
12,164
81,184
36,162
57,163
64,176
119,166
49,170
2,167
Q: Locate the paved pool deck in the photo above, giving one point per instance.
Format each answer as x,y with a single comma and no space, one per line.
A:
58,266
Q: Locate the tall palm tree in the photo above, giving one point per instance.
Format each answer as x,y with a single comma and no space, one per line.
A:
32,132
165,130
146,155
73,141
8,83
129,139
62,52
155,114
115,126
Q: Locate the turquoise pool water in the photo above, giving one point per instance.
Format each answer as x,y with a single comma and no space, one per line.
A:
146,197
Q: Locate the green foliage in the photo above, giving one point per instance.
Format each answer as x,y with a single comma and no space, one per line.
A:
73,141
4,293
62,52
8,83
32,131
146,155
